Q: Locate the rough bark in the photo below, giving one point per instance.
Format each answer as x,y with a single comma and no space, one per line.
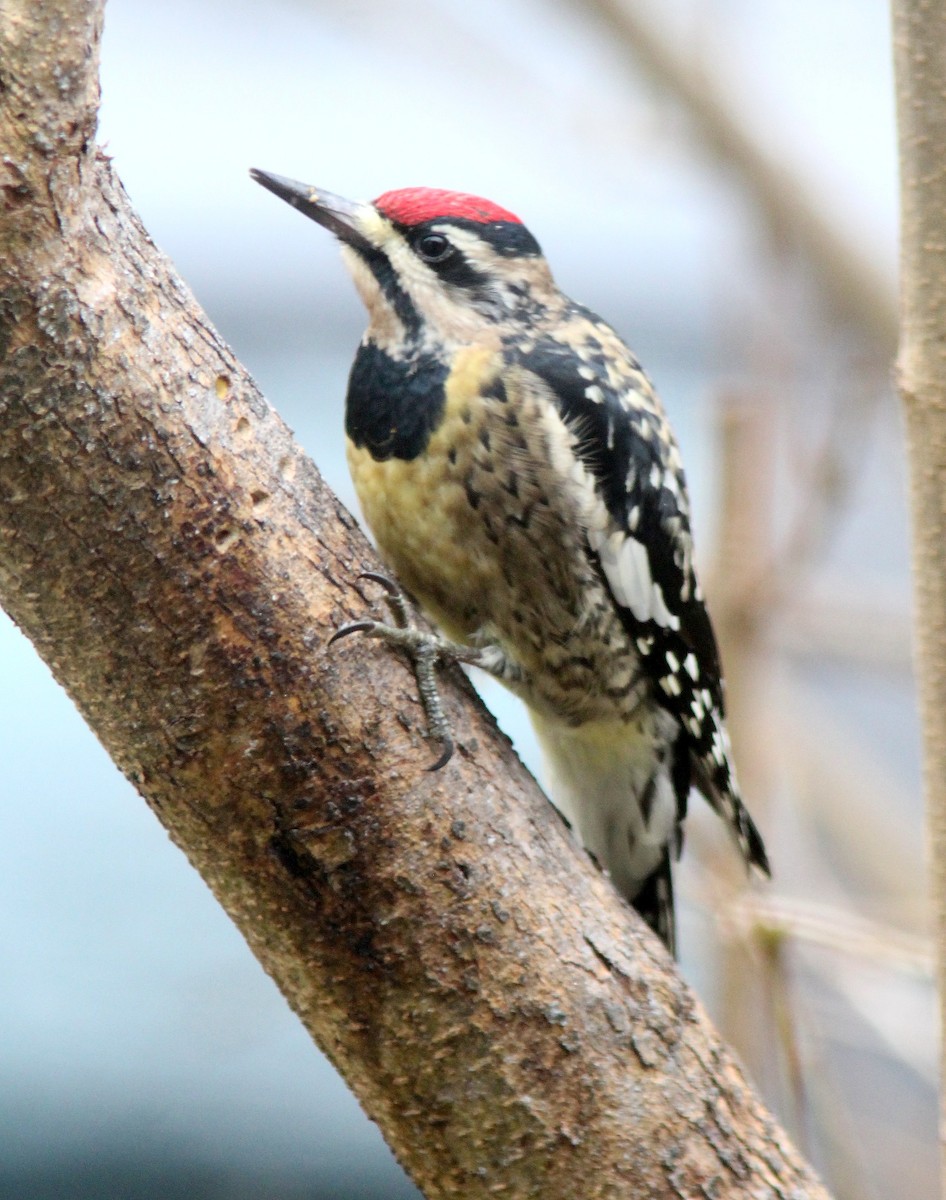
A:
178,563
920,61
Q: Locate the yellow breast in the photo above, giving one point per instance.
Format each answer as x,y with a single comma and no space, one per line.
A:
424,512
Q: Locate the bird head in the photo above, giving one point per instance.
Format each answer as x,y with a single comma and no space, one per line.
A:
430,263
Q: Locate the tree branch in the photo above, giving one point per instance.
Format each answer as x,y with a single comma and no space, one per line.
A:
853,282
919,57
178,563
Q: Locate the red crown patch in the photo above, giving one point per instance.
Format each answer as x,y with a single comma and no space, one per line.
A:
413,206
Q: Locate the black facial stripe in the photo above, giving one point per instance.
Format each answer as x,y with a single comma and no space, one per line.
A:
400,301
393,406
455,268
508,238
459,271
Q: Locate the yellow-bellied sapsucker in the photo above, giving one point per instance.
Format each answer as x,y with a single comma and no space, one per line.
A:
521,478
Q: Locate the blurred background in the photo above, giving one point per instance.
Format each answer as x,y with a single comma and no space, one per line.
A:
718,179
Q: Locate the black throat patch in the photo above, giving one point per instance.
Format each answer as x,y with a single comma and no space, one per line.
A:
393,406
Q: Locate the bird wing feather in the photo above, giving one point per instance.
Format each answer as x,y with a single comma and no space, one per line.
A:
645,550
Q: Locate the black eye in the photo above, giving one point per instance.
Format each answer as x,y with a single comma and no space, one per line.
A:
433,247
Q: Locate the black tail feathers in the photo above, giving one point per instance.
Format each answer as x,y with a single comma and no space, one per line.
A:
654,902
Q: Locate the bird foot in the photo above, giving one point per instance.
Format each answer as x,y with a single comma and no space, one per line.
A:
425,650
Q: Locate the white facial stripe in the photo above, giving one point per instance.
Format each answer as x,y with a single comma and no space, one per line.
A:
502,272
448,313
376,228
479,254
386,327
443,319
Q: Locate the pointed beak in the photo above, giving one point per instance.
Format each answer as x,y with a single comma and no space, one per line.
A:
335,213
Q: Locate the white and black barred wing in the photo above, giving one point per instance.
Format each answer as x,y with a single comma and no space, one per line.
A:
645,547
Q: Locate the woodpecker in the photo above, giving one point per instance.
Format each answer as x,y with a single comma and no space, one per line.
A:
522,480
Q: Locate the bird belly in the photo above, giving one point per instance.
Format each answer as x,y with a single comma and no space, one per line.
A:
424,513
483,533
485,536
611,781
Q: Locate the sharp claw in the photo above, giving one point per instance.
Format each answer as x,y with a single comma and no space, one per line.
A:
351,627
394,597
424,649
445,755
388,584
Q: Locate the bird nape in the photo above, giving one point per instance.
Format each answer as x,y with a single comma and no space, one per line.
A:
522,481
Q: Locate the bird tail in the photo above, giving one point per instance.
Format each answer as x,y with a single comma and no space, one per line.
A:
721,790
654,902
750,840
714,776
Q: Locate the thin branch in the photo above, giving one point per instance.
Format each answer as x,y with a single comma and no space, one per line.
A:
816,924
855,285
919,55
